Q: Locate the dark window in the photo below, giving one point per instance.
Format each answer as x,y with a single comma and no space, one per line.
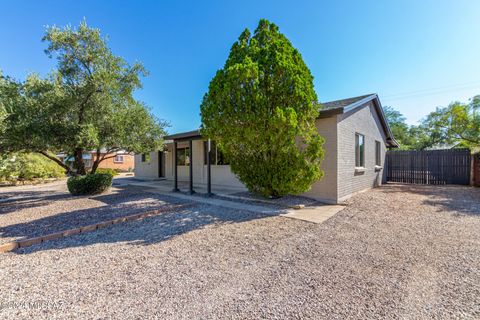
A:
145,157
183,156
359,150
217,157
378,150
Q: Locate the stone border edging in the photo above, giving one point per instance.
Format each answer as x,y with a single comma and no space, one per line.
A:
13,245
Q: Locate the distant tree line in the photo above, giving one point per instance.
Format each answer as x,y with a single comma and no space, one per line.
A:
457,125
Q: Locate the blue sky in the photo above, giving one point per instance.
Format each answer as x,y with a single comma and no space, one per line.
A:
415,54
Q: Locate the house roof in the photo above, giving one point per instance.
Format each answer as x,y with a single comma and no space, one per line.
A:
332,108
194,134
343,102
328,109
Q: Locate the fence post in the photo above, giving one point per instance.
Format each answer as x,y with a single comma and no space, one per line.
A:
476,170
472,170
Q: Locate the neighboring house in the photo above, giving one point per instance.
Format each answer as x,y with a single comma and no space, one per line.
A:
356,134
121,160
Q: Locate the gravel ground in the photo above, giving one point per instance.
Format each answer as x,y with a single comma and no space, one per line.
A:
288,200
41,210
398,252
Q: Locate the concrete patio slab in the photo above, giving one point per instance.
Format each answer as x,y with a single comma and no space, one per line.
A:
314,214
317,214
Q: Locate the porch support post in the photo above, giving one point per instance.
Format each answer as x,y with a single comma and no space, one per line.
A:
191,166
209,169
175,173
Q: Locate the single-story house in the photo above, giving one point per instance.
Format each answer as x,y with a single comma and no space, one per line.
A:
356,135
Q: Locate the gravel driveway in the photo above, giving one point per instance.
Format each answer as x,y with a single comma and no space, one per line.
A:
395,252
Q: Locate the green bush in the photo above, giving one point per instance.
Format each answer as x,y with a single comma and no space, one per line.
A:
89,184
261,110
28,166
109,171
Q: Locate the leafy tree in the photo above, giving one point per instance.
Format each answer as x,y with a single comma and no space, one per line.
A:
261,110
422,138
86,104
400,129
458,124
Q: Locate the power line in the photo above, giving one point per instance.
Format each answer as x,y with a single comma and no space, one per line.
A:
408,93
417,95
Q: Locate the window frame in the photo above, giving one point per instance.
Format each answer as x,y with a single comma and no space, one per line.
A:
119,161
217,159
378,153
359,153
146,157
186,157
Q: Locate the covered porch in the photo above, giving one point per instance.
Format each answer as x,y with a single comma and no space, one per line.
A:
165,185
194,167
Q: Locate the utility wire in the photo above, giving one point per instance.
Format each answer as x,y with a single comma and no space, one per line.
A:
421,93
432,89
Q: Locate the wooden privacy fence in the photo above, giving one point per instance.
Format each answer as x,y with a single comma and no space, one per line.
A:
449,166
476,170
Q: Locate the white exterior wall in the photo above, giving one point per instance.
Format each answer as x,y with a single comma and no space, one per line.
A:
364,121
147,170
221,174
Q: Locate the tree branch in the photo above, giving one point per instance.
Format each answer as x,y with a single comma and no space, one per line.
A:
56,160
109,157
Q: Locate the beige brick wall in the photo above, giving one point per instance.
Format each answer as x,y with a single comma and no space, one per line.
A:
326,188
364,121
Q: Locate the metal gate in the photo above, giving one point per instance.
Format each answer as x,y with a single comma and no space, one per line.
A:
449,166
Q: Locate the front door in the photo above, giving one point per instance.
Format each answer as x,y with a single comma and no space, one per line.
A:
161,164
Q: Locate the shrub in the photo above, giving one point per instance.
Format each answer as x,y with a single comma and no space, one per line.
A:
89,184
109,171
28,166
261,110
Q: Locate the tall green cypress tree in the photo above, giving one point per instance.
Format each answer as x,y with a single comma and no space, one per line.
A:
261,109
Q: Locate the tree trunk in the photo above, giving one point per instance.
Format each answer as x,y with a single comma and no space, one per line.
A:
100,159
78,163
96,162
68,171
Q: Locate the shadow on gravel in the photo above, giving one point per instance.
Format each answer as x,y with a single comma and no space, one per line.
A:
172,222
450,198
153,229
13,202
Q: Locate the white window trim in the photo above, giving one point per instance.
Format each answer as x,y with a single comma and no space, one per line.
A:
359,168
117,161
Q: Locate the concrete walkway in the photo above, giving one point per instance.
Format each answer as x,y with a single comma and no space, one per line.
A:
317,214
211,201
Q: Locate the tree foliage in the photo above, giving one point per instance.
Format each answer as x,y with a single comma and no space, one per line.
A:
261,109
28,166
458,124
86,104
400,129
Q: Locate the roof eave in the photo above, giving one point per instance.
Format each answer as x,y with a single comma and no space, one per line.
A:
189,135
373,97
